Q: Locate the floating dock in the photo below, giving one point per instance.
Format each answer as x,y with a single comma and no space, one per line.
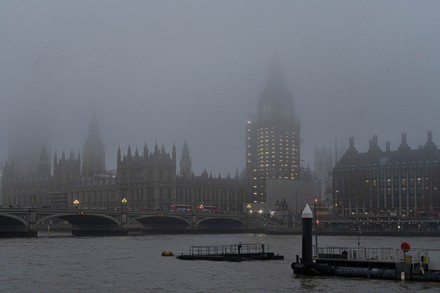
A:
232,252
405,263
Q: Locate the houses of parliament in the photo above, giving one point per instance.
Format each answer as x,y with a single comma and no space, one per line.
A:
146,180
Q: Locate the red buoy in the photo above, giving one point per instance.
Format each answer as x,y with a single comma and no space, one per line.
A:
405,246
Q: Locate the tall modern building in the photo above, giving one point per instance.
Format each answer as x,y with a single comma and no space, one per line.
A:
273,137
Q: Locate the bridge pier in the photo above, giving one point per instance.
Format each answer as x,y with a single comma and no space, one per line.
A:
31,228
123,220
194,226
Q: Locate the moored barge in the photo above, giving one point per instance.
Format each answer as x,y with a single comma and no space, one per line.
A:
231,252
376,263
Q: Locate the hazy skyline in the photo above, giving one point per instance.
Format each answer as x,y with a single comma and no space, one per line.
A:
170,71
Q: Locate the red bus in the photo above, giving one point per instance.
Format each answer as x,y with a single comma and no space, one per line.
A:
428,214
206,209
180,208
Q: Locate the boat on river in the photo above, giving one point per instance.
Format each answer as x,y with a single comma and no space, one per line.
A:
232,252
374,263
404,263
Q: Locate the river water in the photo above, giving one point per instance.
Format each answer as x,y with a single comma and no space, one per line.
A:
134,264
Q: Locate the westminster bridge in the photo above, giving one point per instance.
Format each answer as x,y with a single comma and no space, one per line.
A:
83,221
27,221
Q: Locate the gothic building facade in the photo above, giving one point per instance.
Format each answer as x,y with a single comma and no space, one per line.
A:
401,182
146,181
273,137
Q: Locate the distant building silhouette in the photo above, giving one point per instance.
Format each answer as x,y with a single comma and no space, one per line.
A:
401,182
93,152
185,162
273,138
146,181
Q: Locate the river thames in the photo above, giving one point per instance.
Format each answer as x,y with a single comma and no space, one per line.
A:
134,264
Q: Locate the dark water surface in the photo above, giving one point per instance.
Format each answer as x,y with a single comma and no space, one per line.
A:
135,264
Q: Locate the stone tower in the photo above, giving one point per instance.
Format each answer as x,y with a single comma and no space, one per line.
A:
273,138
44,164
66,170
93,152
147,180
185,162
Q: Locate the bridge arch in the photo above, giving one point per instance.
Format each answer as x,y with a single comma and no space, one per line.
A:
85,224
221,223
162,222
79,219
13,220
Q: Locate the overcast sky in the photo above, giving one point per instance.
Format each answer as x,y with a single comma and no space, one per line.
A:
170,71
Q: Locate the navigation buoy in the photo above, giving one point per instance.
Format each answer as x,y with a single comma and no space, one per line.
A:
405,246
167,253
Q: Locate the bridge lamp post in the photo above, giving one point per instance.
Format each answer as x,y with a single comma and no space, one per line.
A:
124,202
123,214
76,203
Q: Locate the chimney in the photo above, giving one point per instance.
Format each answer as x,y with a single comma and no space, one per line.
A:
403,145
351,148
429,145
403,138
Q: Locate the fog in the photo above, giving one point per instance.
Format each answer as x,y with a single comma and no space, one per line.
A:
170,71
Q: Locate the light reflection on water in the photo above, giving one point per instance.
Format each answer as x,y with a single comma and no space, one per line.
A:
135,264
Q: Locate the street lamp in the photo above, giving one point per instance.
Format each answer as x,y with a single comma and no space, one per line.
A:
76,203
315,201
124,202
123,214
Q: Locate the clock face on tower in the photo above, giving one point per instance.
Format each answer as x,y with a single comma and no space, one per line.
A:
266,112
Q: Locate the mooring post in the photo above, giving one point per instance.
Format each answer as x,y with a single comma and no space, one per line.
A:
307,242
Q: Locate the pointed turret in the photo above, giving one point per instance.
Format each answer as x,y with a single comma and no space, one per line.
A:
43,164
145,151
118,158
185,162
174,152
276,102
93,150
156,151
129,152
162,152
